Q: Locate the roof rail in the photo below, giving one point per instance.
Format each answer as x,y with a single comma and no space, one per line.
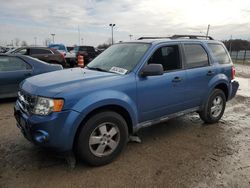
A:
192,37
142,38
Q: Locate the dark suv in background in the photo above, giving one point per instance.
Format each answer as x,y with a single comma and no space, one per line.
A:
45,54
88,52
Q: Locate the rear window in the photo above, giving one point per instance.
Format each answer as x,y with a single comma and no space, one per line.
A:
195,55
87,48
58,47
39,51
219,53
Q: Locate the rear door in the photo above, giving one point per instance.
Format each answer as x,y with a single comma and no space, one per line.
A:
161,95
13,70
200,71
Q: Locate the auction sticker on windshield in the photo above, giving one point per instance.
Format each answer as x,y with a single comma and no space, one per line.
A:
118,70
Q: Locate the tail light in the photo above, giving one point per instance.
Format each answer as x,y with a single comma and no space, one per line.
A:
233,72
62,54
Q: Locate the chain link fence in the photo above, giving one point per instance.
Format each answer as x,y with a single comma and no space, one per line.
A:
242,57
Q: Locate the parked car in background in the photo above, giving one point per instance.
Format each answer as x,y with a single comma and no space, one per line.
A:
99,51
70,48
43,53
92,111
69,56
4,49
16,68
88,52
10,50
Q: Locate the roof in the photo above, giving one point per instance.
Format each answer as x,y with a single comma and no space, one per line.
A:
175,38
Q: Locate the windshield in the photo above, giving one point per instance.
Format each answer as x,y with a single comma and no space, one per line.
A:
119,58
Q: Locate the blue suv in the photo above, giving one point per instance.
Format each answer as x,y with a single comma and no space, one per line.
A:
131,85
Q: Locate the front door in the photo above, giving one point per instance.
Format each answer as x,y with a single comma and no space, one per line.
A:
161,95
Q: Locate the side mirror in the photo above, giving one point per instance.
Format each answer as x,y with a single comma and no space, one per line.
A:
152,70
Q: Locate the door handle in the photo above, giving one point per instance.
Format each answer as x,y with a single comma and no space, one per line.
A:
176,79
210,73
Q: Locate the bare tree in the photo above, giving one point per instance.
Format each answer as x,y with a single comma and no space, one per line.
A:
24,43
17,40
109,41
47,41
103,46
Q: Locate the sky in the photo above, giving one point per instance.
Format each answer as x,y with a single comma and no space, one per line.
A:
88,20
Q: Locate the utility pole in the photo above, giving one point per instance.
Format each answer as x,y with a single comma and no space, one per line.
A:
53,37
112,36
208,27
230,45
79,36
35,38
82,40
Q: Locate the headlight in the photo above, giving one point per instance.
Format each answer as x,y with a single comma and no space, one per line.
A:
45,106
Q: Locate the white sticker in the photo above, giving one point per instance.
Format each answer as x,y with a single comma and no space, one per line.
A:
118,70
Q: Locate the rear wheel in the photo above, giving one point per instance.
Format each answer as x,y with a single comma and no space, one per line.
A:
72,63
102,138
214,107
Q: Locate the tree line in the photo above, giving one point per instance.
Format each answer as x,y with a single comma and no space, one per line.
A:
237,44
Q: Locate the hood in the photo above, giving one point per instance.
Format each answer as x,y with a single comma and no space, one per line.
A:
53,83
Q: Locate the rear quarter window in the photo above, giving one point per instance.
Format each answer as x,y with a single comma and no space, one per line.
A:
219,53
195,55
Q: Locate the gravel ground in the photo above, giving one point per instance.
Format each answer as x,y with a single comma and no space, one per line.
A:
183,152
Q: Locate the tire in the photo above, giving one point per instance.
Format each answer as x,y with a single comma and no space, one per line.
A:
214,107
102,138
72,63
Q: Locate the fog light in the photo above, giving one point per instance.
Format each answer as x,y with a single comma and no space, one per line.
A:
41,136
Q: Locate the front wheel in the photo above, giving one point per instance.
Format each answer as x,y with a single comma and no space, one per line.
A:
102,138
214,107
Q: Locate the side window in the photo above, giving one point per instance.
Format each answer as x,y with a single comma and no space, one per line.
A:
219,53
168,56
22,51
39,51
195,55
12,64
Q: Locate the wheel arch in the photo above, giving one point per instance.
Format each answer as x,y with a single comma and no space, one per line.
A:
112,107
216,83
224,88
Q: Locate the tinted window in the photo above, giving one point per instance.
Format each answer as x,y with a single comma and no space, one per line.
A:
168,56
58,47
195,55
12,64
219,53
86,48
39,51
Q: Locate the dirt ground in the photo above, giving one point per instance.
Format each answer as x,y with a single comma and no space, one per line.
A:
182,152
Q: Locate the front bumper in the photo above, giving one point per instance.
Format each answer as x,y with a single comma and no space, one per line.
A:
55,131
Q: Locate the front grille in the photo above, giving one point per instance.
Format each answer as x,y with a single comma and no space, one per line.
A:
26,101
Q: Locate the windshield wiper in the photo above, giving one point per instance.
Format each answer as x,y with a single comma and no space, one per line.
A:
97,68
